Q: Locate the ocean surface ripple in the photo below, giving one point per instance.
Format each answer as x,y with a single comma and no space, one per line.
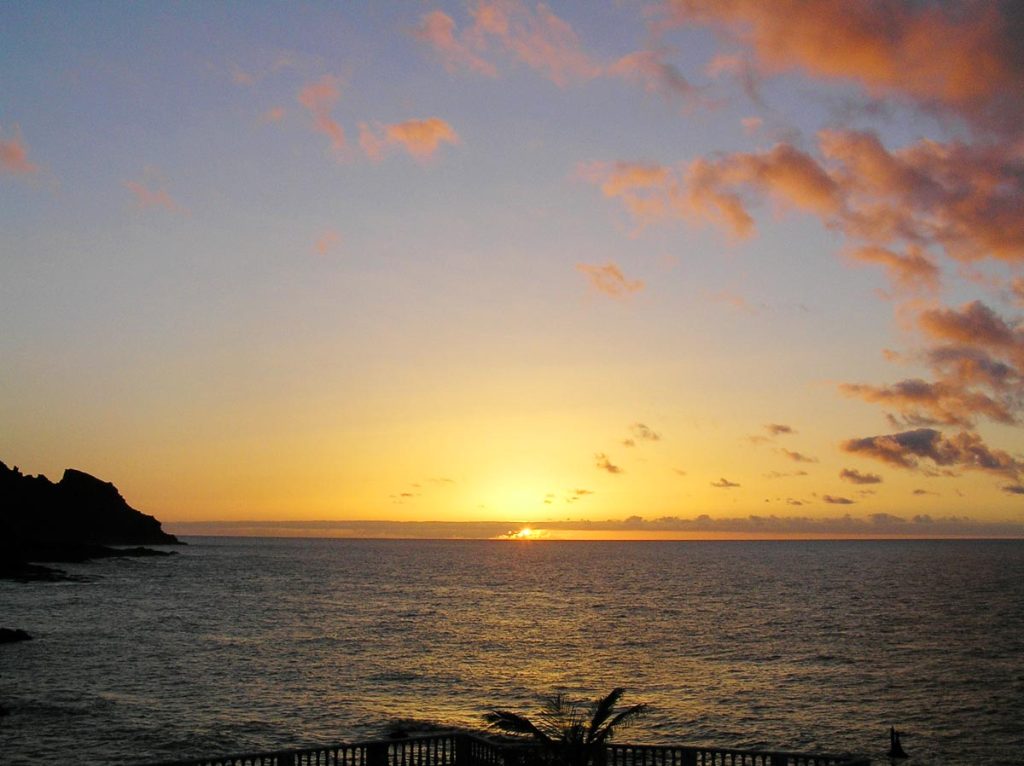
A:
241,644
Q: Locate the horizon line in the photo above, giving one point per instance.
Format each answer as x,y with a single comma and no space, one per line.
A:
879,527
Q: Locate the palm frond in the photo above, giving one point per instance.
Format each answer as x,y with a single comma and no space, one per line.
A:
602,710
513,723
622,719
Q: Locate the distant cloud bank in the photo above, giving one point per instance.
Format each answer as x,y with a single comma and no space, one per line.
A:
878,525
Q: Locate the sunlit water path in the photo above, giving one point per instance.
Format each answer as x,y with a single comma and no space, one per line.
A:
242,644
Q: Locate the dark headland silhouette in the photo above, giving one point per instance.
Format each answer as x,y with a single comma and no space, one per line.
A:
76,519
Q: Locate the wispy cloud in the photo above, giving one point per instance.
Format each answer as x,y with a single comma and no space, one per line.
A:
326,242
779,429
148,198
644,433
835,500
535,36
419,138
609,280
854,476
14,155
274,114
603,463
437,29
909,272
319,99
651,71
798,457
724,483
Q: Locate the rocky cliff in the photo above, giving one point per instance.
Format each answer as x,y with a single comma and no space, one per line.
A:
66,521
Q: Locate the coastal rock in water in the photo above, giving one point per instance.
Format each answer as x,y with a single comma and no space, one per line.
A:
12,635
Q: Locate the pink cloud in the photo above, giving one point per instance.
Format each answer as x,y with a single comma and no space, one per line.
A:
437,29
649,70
609,280
973,323
14,156
536,37
419,138
146,197
274,114
539,38
959,198
319,98
912,272
328,240
647,191
959,58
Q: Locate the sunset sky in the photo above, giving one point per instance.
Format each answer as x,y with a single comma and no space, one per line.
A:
509,261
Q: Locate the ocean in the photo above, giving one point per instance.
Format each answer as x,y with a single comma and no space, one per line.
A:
242,644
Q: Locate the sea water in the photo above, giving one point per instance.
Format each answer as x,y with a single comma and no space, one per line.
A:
242,644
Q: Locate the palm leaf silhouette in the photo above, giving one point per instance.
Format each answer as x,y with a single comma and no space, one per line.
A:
571,733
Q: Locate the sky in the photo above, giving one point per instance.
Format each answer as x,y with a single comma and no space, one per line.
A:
628,268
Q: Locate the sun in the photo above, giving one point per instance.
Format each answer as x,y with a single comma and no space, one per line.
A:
526,533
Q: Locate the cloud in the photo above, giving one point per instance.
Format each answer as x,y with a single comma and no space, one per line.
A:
319,98
778,429
649,70
974,323
644,433
854,476
14,156
605,464
609,280
536,37
647,191
912,272
714,187
1013,489
957,58
908,448
833,500
781,475
146,197
924,403
419,138
240,76
437,29
973,366
798,457
274,114
752,526
960,198
328,240
724,483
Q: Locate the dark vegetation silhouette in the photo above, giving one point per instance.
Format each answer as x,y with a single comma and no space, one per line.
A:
571,733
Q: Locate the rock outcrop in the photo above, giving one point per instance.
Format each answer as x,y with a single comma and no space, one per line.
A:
72,520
